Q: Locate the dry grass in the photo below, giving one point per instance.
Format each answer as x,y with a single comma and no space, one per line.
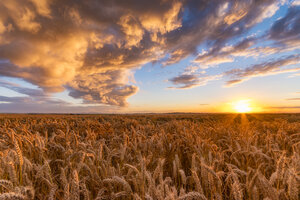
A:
157,157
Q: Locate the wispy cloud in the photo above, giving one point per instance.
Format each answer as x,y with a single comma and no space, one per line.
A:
29,105
263,69
293,99
236,76
22,90
35,101
284,107
187,81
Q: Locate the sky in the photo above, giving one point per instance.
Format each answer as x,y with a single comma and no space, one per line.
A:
136,56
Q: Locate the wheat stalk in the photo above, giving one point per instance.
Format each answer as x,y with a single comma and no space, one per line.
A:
12,196
193,196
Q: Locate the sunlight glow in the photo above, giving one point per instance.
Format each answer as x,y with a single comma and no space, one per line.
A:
242,106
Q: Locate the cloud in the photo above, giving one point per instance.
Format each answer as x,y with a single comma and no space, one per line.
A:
29,100
245,48
225,54
285,107
32,96
234,81
107,88
286,30
22,90
190,79
296,3
88,47
283,35
36,101
58,44
263,69
212,18
13,99
293,99
186,81
29,105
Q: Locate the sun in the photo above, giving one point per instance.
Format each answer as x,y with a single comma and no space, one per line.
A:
242,106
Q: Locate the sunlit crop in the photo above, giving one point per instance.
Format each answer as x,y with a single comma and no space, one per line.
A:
159,157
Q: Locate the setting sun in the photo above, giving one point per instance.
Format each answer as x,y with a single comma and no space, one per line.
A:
242,106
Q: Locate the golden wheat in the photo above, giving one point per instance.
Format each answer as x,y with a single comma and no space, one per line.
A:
159,157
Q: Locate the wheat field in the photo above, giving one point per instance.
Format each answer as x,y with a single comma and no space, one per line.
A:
153,157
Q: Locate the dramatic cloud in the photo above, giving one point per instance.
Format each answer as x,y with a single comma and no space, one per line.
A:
286,31
59,44
284,35
216,22
89,47
105,87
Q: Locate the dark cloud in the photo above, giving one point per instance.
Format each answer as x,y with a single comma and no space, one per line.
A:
286,30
